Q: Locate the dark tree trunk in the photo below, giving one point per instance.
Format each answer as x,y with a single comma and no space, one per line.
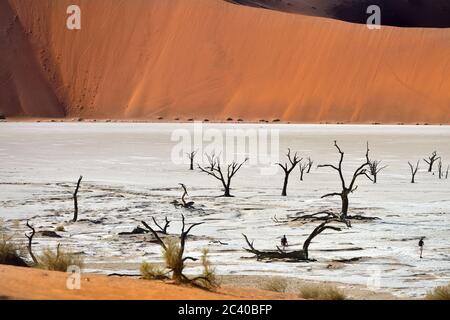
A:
344,210
191,157
30,243
285,184
226,188
75,201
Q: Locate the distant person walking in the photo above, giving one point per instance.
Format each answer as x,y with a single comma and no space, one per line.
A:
284,241
421,243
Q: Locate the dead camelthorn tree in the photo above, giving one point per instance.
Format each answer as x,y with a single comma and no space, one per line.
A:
375,169
222,176
298,255
303,167
347,189
163,230
431,160
30,242
75,200
212,160
310,164
184,203
440,173
191,156
287,168
446,172
174,254
414,171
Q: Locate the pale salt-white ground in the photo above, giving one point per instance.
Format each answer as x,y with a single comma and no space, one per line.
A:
129,176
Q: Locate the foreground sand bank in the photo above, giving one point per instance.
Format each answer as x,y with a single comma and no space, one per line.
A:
28,283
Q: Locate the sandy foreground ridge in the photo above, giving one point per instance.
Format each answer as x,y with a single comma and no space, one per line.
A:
29,283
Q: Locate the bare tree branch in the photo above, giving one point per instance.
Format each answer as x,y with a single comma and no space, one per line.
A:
360,171
288,169
302,167
413,171
215,170
431,160
155,234
191,157
75,200
30,243
166,225
310,164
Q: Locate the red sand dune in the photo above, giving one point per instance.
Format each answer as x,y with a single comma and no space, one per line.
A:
143,59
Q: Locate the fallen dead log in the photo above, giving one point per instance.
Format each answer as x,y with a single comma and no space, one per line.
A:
297,255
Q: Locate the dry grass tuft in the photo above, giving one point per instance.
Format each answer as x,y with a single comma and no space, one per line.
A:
208,279
60,228
150,271
172,256
276,285
439,293
174,266
59,260
10,253
322,292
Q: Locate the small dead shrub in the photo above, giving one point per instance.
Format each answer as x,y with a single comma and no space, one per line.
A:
439,293
321,292
174,258
10,252
58,260
208,279
276,285
151,271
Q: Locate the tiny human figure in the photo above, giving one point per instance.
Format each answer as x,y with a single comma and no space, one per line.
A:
421,243
284,241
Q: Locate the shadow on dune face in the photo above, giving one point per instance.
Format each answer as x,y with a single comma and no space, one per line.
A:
400,13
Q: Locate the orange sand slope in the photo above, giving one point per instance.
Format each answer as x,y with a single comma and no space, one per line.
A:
214,59
26,283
